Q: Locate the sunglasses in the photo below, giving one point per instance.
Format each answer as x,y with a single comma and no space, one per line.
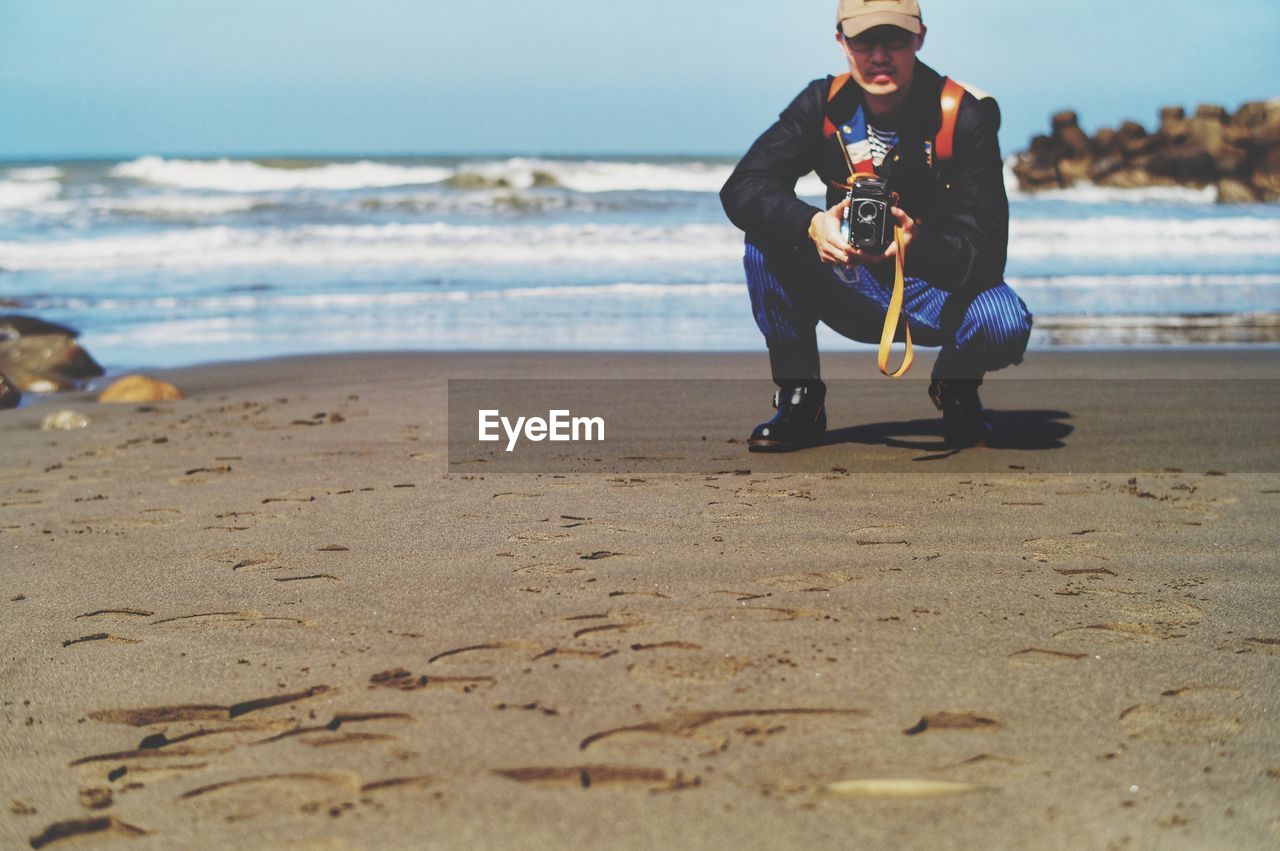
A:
890,38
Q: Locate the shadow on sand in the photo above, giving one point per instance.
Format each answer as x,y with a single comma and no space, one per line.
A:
1013,430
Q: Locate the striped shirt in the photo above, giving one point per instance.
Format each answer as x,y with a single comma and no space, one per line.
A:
881,142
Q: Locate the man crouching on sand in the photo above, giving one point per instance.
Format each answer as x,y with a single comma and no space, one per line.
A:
890,114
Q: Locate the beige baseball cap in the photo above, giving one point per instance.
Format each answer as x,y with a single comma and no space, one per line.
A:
856,16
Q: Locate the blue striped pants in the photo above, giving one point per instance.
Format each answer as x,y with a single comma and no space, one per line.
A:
789,296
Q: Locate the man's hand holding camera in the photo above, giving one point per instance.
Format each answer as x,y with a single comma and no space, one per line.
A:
825,232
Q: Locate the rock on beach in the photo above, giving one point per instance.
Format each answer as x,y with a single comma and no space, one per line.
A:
42,357
1238,153
10,395
139,388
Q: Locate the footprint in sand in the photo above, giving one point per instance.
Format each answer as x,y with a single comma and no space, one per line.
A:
689,733
1163,613
757,614
1204,508
727,514
986,765
115,615
486,654
532,536
402,679
241,620
1270,646
677,668
1142,623
151,518
812,581
1113,634
202,475
251,562
549,571
323,735
952,721
101,827
147,716
1044,656
1198,690
587,776
1176,724
304,793
100,638
1063,549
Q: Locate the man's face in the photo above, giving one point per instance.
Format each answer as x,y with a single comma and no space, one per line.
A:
882,59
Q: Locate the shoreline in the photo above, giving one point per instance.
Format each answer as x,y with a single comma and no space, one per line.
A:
737,362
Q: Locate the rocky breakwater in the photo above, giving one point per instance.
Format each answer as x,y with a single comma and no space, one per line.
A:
40,357
1238,153
43,357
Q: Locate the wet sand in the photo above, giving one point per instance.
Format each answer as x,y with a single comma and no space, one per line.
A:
272,615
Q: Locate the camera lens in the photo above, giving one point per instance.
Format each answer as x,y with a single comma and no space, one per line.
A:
867,211
865,234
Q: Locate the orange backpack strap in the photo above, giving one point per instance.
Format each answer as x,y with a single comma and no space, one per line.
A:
837,83
944,144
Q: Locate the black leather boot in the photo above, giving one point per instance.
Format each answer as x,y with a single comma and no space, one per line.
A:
964,422
801,419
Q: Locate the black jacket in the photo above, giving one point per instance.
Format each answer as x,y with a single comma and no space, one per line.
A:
962,240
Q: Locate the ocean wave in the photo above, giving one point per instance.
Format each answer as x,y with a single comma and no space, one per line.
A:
437,243
1244,328
15,195
399,245
707,177
254,303
246,176
585,176
1090,193
34,173
1128,283
1132,236
477,202
180,206
263,299
596,176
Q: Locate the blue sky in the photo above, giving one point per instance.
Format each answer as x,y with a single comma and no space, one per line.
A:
127,77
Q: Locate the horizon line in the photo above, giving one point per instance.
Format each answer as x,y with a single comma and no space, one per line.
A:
17,159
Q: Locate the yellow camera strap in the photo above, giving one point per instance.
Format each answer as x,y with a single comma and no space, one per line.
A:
893,314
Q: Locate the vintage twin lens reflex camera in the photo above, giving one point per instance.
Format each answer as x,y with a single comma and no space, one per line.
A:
866,224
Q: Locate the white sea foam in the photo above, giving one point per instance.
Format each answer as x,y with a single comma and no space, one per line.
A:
354,301
1129,237
1129,283
245,176
426,244
1089,193
33,173
605,176
179,205
16,195
583,246
588,176
178,333
621,176
268,302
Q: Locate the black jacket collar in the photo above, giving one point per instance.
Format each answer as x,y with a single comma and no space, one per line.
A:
922,115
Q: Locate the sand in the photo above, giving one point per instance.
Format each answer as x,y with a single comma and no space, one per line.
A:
275,615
